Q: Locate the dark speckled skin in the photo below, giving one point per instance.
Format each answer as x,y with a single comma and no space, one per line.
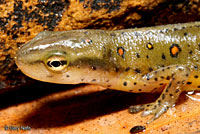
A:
153,59
186,36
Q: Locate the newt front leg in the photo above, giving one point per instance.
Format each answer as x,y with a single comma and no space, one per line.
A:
176,77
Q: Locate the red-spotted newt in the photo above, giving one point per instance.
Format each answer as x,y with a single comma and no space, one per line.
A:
153,59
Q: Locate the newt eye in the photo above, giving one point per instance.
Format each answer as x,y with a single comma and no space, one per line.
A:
56,63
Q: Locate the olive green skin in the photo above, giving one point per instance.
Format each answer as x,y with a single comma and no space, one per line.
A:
99,49
135,41
153,59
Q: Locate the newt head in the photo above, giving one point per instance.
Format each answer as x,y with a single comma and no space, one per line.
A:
67,57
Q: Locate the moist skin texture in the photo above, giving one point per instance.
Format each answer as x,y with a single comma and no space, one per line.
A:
154,59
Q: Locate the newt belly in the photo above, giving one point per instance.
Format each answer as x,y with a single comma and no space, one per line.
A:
153,59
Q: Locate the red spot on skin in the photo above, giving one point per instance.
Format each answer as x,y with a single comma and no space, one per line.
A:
120,51
174,50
